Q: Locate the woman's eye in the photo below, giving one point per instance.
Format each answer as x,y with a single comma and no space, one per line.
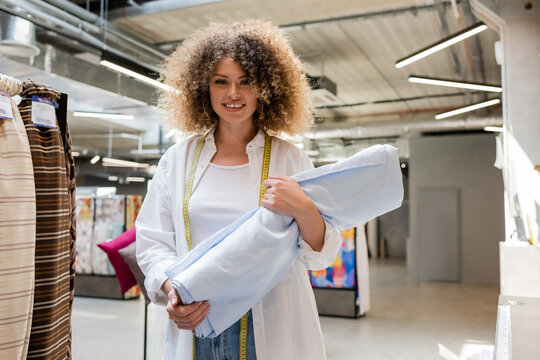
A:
244,82
220,82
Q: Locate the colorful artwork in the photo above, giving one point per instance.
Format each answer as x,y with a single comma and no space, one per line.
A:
342,273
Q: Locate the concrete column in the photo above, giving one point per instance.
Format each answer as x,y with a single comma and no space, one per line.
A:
518,23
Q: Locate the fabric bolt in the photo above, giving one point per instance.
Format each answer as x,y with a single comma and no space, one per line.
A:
51,322
260,247
85,229
161,242
17,238
109,224
133,206
125,276
70,173
104,232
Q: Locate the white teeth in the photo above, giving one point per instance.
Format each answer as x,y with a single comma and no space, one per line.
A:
234,106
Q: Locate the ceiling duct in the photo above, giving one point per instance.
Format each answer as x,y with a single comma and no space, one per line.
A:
17,36
323,91
401,128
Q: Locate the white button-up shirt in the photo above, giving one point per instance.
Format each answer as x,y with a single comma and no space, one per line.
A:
285,321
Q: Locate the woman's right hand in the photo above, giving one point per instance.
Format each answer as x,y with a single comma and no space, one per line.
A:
186,317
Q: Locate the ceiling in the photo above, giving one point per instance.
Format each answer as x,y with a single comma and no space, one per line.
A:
353,43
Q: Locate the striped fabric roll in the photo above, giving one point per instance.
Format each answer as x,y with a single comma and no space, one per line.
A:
51,322
17,238
70,172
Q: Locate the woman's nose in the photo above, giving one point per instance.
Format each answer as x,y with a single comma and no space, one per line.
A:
234,92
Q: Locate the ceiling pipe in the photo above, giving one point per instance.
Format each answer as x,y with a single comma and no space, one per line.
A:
404,128
19,5
112,30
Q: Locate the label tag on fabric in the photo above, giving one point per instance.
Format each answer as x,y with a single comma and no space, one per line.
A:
5,106
43,113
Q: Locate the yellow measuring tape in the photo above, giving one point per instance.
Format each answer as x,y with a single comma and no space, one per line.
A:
187,196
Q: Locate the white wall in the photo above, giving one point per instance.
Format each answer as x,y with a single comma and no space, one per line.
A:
464,162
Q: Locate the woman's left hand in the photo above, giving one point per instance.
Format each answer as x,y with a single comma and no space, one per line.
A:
284,196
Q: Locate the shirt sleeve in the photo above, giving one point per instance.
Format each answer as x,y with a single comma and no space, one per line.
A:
316,260
156,244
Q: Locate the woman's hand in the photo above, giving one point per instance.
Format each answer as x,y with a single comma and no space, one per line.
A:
186,317
284,196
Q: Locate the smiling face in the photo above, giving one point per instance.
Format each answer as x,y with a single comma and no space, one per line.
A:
231,95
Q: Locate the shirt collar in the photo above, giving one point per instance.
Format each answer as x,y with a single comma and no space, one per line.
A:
257,141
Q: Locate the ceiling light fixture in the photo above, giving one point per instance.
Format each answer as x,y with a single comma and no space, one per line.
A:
123,163
95,159
135,179
442,44
112,178
131,69
467,109
102,115
493,129
75,153
455,84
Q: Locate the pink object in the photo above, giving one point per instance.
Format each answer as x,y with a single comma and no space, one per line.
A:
123,273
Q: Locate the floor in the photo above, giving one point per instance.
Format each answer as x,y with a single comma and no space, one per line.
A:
407,320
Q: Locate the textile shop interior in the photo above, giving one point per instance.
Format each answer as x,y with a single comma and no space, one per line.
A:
454,85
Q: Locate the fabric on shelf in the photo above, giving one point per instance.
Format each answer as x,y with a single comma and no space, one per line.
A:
85,228
109,224
51,322
133,206
238,265
17,238
130,257
125,276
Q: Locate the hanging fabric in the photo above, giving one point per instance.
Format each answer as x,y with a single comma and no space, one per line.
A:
17,230
50,336
70,173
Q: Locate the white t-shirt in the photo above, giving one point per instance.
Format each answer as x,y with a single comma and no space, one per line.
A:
222,196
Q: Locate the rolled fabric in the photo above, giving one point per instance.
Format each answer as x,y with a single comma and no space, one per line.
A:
237,266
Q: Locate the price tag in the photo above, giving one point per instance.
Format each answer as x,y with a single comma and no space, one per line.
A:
5,106
43,113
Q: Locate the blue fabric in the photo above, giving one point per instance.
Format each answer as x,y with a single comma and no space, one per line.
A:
226,345
238,265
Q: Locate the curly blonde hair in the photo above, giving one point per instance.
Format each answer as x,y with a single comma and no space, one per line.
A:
263,51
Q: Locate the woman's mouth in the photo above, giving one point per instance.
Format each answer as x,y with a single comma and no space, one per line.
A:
233,107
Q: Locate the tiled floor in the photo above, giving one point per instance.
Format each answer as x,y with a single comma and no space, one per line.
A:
407,320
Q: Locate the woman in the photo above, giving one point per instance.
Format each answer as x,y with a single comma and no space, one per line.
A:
233,85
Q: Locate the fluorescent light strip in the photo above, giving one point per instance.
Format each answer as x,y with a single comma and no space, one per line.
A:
135,75
493,129
467,109
123,163
455,84
442,45
102,115
95,159
135,179
112,178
